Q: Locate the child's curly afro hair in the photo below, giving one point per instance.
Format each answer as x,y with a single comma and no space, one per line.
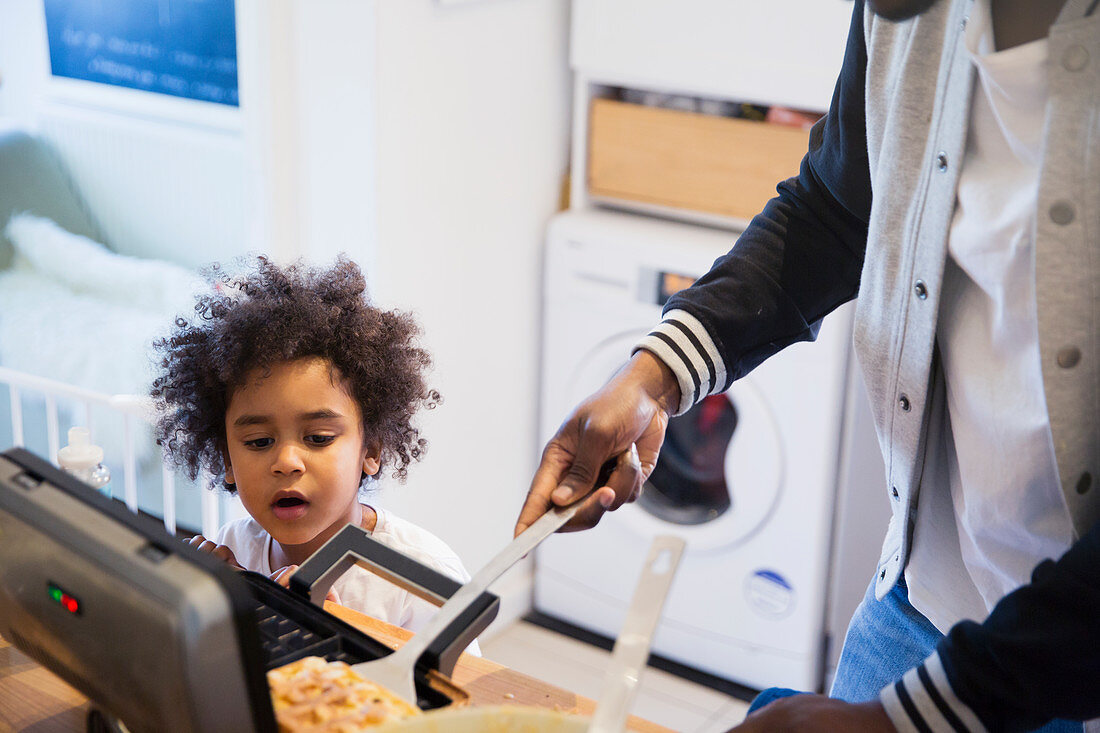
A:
275,314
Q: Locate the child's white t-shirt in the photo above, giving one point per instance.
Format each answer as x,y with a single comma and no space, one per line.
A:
358,588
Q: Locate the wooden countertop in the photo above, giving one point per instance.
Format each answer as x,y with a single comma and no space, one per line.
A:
31,698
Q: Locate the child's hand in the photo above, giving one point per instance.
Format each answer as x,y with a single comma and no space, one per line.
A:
282,577
202,544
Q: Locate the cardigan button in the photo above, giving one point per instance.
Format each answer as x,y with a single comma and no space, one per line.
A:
1062,212
894,491
903,401
1068,356
941,161
1075,58
1084,483
921,289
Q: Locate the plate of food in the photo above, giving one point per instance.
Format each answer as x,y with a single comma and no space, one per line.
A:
317,696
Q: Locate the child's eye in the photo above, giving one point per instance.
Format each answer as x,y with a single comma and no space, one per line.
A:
258,443
320,439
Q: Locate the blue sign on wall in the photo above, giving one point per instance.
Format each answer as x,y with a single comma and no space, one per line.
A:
185,48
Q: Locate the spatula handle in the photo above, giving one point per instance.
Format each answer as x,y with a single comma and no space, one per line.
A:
631,650
542,528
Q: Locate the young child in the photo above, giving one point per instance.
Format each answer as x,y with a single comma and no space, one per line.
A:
292,390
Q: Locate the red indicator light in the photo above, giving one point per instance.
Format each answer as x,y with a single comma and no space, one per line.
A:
63,599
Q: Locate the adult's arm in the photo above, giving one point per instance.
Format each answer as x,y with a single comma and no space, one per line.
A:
798,259
1035,658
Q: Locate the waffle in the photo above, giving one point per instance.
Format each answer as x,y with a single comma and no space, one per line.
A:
330,697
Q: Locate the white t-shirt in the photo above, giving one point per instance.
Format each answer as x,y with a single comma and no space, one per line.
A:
992,507
359,588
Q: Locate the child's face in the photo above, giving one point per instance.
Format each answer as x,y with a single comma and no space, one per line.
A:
296,451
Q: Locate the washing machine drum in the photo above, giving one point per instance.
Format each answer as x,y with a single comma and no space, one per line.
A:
688,485
720,472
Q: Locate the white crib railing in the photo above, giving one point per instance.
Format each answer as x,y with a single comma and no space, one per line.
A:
131,408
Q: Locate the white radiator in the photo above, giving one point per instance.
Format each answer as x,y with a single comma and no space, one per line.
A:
160,188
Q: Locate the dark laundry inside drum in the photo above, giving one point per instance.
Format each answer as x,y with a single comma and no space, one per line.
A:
688,485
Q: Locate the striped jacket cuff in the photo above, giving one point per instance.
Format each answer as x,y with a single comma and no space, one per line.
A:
922,701
681,342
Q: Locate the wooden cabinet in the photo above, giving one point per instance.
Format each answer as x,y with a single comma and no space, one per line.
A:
688,165
686,160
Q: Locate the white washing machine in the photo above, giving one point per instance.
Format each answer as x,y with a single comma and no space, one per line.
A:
750,479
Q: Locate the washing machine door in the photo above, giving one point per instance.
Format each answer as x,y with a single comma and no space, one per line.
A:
719,474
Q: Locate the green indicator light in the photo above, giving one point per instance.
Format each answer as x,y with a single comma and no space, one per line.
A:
63,599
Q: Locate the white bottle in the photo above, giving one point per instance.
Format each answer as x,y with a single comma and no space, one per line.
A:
85,461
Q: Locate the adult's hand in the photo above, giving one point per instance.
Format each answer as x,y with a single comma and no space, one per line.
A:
809,713
625,423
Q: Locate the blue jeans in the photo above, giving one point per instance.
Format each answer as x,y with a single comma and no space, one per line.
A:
885,640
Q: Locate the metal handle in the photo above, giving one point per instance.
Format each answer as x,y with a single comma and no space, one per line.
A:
354,546
414,650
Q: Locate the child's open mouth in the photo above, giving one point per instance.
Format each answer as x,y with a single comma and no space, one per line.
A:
289,507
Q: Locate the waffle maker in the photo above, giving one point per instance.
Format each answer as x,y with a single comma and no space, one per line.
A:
163,637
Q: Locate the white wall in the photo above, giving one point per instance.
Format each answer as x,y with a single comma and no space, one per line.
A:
23,61
307,81
473,121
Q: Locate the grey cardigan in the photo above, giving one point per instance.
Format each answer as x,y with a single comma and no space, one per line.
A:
919,80
869,214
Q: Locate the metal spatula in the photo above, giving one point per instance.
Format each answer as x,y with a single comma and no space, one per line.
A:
631,650
395,671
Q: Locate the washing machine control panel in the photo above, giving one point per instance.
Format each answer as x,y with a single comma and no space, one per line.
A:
669,283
